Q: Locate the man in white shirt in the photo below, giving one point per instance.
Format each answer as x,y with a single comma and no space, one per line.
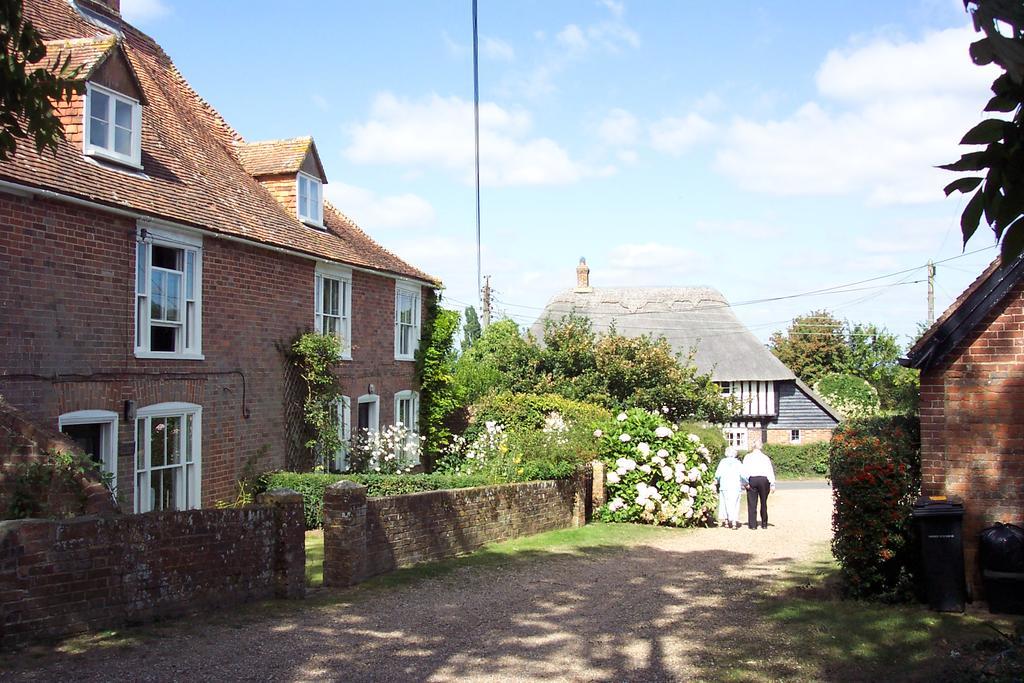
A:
760,477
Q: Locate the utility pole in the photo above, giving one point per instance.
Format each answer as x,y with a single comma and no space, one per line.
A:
486,295
931,292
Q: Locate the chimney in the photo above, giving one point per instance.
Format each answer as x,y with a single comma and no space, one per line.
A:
583,277
109,7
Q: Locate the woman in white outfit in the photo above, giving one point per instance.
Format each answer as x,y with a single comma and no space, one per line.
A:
729,480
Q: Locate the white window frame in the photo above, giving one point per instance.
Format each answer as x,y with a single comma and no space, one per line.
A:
314,218
373,399
190,346
794,436
134,158
189,496
736,436
328,271
413,426
344,408
404,289
108,436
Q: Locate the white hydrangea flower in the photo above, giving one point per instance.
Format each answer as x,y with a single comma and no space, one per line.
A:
598,433
646,469
624,437
613,477
644,448
657,460
703,450
621,417
662,453
666,472
693,438
694,474
626,464
703,467
616,504
663,432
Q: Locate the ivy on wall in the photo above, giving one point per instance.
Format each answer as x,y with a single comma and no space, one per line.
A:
316,356
435,374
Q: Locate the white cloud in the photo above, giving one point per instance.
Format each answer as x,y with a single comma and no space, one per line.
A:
649,264
142,11
674,135
617,8
608,36
572,38
618,128
890,112
437,132
496,49
375,212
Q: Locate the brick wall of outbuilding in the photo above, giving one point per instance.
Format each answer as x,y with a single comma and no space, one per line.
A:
972,424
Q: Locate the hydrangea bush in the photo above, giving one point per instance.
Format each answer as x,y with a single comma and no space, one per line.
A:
655,473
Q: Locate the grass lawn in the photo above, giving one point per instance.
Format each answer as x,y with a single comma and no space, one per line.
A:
315,557
832,639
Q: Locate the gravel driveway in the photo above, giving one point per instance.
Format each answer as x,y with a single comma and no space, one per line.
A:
659,610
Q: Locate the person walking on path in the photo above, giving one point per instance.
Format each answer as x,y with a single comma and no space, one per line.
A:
729,479
760,477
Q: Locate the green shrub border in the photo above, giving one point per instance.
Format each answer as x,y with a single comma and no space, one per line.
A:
312,484
803,460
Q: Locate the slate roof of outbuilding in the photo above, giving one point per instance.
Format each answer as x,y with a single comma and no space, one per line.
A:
688,317
192,170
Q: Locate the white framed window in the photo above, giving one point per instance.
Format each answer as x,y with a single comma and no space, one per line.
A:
367,413
113,125
344,408
168,457
95,432
407,320
168,295
309,196
407,413
333,304
794,436
736,437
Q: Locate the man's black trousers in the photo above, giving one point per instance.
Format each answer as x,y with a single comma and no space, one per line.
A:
758,488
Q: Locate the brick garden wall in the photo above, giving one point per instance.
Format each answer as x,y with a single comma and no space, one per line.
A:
59,577
365,537
972,425
67,324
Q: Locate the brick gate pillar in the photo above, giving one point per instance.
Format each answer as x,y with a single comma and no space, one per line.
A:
289,542
344,534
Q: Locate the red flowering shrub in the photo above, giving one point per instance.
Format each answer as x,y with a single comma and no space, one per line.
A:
875,468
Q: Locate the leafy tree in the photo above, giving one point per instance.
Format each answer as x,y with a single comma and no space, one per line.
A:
997,179
317,356
471,329
435,371
567,363
813,346
643,372
28,90
501,360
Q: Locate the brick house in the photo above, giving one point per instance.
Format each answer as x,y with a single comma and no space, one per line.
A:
153,268
972,403
777,407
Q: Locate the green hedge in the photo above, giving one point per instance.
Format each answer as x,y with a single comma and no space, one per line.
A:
311,485
528,412
805,460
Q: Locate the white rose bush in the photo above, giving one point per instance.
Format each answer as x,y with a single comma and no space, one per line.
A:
654,473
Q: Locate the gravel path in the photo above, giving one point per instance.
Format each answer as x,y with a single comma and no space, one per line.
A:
656,611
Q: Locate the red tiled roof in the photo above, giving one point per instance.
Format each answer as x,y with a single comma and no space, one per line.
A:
272,157
84,54
192,172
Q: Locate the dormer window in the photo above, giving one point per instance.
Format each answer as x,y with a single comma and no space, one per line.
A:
113,125
310,199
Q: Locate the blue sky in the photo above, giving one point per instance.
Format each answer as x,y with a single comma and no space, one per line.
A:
764,149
